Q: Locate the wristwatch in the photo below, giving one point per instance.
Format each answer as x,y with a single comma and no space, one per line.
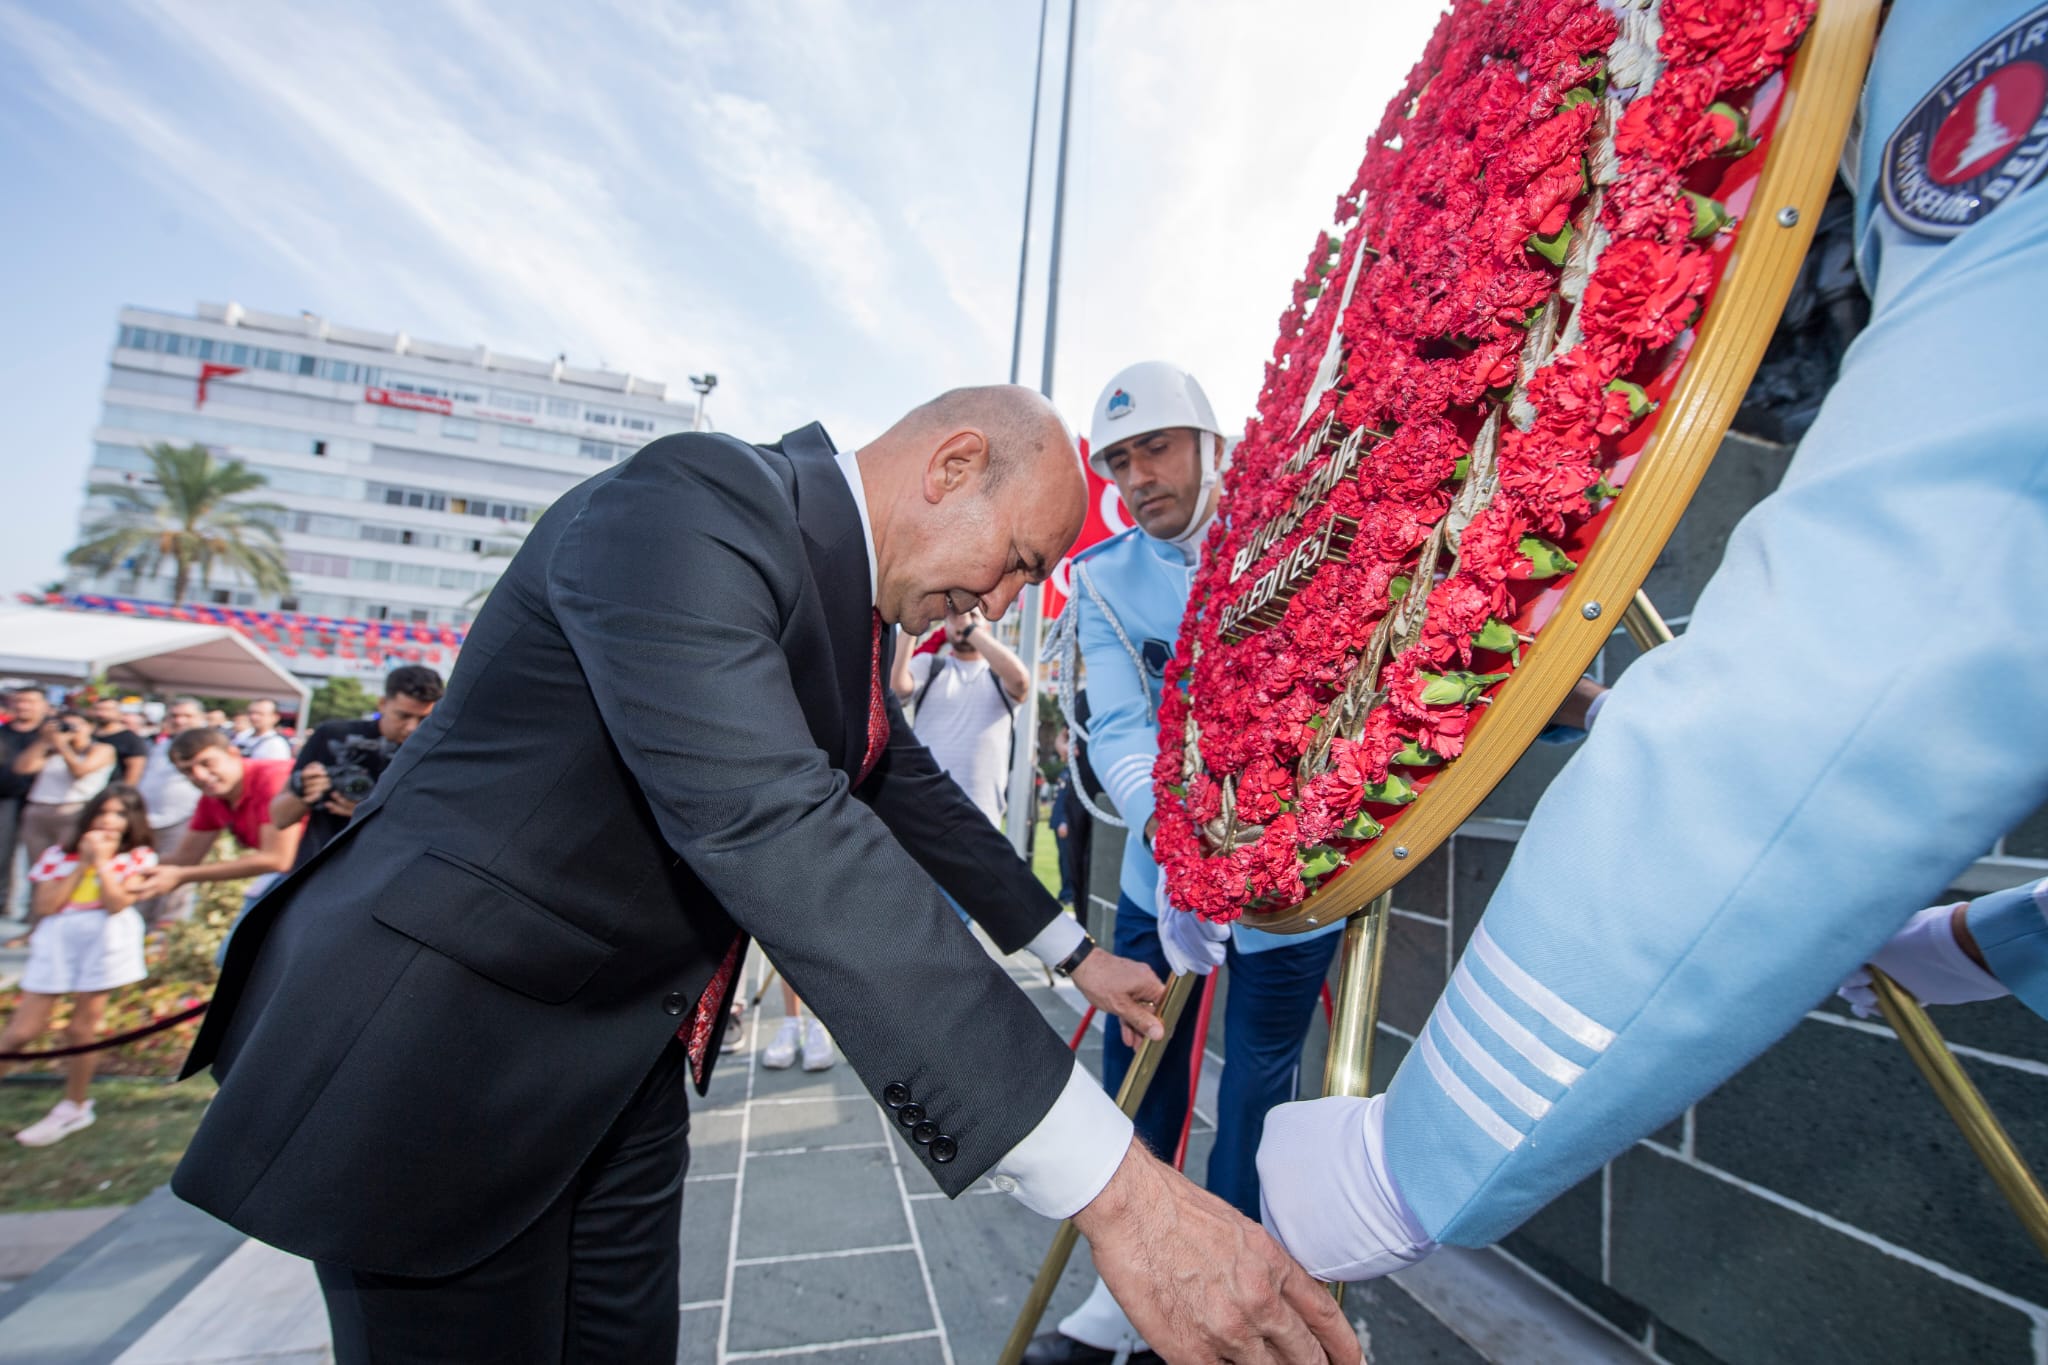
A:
1068,964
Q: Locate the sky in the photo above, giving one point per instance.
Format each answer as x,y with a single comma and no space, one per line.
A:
819,202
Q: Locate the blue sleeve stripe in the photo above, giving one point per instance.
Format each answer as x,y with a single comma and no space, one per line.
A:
1461,1095
1540,997
1541,1055
1498,1076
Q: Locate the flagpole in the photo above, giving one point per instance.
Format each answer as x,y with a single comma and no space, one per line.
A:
1023,803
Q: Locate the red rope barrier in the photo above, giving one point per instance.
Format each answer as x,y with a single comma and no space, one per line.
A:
1074,1043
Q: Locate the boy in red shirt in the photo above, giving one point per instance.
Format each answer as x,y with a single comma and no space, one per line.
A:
234,794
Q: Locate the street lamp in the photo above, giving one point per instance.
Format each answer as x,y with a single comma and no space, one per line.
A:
703,384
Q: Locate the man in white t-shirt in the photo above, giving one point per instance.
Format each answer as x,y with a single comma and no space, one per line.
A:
963,698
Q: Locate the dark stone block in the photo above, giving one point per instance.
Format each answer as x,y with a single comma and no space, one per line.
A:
1476,870
1398,1330
1752,1281
2029,839
1674,1346
1105,867
1427,890
1387,1054
1415,972
1517,793
698,1344
983,1250
2005,1027
1562,1244
1743,473
1840,1121
1672,1134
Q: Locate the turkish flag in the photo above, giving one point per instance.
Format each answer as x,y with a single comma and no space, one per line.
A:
210,372
1107,516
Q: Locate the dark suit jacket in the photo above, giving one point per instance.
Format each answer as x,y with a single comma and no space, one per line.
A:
644,753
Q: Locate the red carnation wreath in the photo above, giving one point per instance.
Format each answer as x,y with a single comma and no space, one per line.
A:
1458,392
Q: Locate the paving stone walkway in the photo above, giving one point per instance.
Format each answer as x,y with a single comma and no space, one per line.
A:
807,1239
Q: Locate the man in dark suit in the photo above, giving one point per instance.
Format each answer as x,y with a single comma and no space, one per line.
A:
453,1047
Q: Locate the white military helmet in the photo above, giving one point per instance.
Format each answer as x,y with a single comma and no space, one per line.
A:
1150,396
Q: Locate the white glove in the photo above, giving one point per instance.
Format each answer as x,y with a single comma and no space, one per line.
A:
1325,1195
1191,943
1925,958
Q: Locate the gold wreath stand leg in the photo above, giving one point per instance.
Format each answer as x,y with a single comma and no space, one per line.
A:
1957,1093
1355,1019
1132,1094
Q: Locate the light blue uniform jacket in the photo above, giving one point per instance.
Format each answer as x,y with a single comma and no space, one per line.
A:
1129,594
2011,929
1858,709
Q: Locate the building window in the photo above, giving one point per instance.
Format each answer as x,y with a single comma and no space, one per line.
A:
461,428
220,597
397,418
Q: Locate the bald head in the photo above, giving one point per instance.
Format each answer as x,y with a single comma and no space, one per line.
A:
972,496
1021,427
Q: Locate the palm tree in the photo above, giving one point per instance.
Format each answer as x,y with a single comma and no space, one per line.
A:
192,517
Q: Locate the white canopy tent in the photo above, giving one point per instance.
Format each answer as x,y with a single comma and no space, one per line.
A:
49,645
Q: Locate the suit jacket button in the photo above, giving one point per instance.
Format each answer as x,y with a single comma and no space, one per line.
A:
674,1003
910,1115
924,1132
895,1094
944,1149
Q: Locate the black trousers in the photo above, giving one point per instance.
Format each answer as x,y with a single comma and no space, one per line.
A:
595,1279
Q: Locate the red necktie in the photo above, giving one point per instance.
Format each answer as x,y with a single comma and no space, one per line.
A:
716,996
878,714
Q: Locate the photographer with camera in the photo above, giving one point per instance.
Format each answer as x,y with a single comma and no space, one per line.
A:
69,767
342,759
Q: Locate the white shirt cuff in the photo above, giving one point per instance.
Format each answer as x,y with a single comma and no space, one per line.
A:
1057,940
1063,1163
1593,709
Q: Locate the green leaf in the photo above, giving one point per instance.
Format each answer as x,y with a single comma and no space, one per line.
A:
1552,249
1315,722
1361,826
1413,755
1395,791
1576,96
1709,215
1545,559
1320,861
1398,589
1498,636
1639,404
1456,688
1178,790
1462,468
1601,491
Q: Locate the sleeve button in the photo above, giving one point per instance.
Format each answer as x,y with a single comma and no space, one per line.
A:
924,1132
910,1115
895,1094
673,1003
1004,1184
944,1149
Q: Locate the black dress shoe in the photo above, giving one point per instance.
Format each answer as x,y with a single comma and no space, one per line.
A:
1051,1348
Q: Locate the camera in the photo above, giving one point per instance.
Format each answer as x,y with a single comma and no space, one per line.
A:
359,760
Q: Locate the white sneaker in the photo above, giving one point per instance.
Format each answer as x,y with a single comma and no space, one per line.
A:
818,1055
60,1123
781,1054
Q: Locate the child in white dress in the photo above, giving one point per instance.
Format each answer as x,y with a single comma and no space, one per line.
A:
87,941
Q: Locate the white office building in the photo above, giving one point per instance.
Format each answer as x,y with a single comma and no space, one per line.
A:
408,468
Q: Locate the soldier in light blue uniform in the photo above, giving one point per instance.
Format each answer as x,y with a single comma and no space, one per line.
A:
1858,709
1155,435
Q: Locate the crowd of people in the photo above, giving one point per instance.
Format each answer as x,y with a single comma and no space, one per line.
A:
113,816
